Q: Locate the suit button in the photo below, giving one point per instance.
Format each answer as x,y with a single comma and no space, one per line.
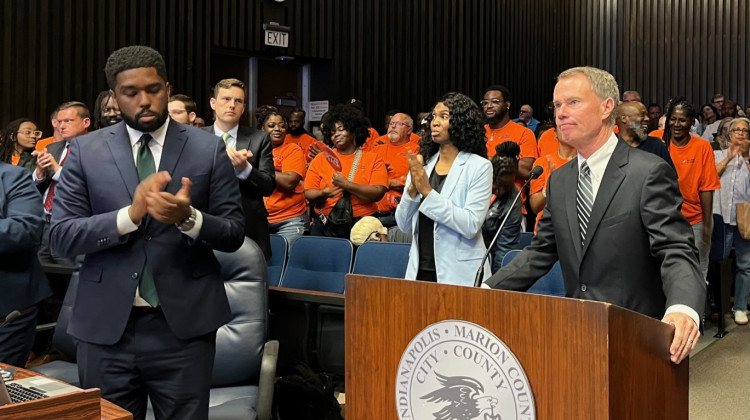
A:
583,287
135,275
148,237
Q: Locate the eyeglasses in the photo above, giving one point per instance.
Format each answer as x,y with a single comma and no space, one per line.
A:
31,133
398,124
495,101
743,131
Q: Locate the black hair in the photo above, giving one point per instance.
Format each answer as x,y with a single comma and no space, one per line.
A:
353,120
466,128
102,97
9,139
713,108
504,90
676,102
133,57
264,112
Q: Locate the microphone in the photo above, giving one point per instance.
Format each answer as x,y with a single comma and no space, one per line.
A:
535,173
10,318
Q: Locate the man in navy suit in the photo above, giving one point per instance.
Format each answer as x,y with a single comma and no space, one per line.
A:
252,157
150,296
23,280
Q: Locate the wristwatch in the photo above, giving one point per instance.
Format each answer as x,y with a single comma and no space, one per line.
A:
188,223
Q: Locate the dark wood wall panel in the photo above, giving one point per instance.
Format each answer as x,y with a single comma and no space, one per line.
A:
388,53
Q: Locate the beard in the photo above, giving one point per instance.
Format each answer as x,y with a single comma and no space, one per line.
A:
498,116
145,127
297,131
637,130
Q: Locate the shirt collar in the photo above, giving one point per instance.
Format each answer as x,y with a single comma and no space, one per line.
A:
232,131
598,160
158,135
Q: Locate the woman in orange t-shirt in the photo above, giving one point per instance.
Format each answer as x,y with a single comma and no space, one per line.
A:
17,141
324,185
287,208
693,159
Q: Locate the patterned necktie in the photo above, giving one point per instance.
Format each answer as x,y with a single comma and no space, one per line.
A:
584,199
225,137
146,167
51,192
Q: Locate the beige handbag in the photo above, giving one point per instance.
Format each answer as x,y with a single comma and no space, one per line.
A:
743,219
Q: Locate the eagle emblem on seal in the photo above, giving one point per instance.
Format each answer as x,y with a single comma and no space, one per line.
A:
465,399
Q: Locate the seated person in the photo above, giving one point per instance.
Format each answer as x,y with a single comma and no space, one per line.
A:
504,191
370,229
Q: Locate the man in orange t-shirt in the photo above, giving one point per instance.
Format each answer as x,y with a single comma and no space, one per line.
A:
297,134
697,177
500,128
398,143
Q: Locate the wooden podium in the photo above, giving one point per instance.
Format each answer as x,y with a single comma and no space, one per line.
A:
83,405
583,359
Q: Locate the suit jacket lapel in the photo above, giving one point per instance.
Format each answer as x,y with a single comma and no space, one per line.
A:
454,174
571,188
612,179
122,152
170,154
243,139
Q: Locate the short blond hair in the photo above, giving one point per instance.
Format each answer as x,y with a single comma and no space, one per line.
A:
363,230
602,83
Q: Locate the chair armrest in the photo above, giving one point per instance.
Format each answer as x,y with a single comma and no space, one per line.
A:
267,380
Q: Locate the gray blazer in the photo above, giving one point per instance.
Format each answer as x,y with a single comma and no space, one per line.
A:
639,252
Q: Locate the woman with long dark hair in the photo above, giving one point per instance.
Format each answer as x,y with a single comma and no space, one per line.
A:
447,195
17,141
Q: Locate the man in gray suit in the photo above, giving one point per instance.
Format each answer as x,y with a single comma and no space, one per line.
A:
613,219
251,155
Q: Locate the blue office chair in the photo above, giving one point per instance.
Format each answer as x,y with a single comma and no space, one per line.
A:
318,263
279,252
384,259
550,284
526,238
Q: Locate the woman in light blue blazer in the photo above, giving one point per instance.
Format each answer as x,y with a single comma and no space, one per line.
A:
447,195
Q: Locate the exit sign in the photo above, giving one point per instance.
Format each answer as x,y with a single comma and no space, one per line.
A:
277,39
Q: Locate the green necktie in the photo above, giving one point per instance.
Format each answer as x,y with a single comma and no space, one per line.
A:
225,137
146,167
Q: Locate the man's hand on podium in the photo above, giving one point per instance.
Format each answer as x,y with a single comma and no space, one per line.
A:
686,334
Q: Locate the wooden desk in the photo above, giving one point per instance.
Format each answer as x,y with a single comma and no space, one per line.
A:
109,411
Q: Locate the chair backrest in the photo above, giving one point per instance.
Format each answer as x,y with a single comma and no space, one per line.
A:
239,343
318,263
526,238
279,252
717,252
385,259
550,284
509,256
60,339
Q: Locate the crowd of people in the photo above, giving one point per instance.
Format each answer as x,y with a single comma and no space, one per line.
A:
613,170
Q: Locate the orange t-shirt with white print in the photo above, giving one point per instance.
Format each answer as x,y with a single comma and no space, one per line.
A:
511,132
696,172
548,144
398,167
304,141
550,163
370,171
281,204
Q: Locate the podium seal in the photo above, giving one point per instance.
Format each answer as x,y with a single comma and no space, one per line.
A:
459,370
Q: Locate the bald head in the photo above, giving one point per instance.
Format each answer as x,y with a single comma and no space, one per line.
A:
632,120
400,128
